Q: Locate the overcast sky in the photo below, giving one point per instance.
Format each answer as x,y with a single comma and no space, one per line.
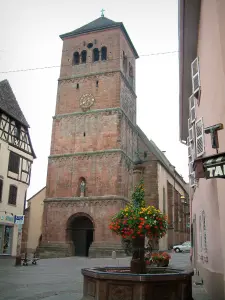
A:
29,38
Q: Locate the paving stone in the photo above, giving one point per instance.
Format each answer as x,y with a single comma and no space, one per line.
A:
61,279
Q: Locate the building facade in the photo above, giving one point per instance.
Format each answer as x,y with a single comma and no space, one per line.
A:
96,143
202,117
16,157
32,228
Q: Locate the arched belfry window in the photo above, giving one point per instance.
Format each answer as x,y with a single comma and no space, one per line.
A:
104,53
95,54
84,56
76,58
124,62
131,73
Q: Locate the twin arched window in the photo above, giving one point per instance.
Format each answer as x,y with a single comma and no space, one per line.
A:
83,56
97,55
104,53
76,58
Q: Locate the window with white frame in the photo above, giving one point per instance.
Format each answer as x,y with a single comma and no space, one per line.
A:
199,135
195,141
195,78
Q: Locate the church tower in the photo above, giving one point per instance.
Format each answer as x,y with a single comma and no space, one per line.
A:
93,142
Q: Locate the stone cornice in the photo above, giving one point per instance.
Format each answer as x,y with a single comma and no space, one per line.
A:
89,112
89,199
69,78
90,153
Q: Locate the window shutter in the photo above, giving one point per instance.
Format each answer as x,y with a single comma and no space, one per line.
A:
189,147
199,131
192,181
192,108
195,76
193,151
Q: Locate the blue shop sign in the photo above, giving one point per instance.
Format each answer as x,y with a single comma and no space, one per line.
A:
19,219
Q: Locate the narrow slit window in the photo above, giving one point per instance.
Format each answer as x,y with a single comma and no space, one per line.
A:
96,54
124,62
76,58
104,53
97,83
77,85
84,56
131,74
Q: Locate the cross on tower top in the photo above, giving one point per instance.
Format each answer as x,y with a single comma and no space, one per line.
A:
102,13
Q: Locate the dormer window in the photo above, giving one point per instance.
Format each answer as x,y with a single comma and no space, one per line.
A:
76,58
104,53
96,54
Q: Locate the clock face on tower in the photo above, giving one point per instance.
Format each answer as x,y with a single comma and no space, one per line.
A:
86,101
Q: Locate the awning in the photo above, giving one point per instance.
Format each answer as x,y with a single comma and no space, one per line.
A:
214,166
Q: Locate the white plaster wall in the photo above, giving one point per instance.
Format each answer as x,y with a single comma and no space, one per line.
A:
21,189
209,194
36,204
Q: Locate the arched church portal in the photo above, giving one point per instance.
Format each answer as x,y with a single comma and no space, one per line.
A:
80,232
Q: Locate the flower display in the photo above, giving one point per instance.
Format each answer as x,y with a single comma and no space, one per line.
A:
137,220
157,258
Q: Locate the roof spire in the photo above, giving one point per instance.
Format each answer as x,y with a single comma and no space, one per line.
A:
102,13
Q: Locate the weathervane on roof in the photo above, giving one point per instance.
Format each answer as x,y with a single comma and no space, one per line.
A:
102,11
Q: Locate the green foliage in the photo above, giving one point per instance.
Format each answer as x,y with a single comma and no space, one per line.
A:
138,196
137,220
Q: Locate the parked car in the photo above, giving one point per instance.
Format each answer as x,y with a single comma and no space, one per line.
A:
185,247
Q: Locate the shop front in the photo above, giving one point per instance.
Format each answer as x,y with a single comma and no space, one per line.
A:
6,234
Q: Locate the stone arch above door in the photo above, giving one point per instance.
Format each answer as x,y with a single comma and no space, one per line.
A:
80,233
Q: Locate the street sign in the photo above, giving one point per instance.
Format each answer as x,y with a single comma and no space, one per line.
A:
19,220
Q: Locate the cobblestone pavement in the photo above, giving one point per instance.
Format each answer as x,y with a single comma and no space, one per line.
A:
61,279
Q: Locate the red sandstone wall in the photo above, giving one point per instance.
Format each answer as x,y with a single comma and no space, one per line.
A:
56,217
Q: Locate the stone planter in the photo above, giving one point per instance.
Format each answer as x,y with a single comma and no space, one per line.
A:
118,283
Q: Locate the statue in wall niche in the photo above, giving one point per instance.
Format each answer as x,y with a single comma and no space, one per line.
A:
82,188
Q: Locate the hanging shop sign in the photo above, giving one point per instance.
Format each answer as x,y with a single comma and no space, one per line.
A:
19,220
214,167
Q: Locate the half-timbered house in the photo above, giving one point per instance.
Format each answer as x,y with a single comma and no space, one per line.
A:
16,157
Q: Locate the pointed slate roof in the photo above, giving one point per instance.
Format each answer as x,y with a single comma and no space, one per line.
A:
9,104
101,23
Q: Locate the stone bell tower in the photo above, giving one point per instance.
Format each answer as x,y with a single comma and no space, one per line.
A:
93,142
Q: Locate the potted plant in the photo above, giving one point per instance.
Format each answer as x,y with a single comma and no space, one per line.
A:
158,259
135,222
